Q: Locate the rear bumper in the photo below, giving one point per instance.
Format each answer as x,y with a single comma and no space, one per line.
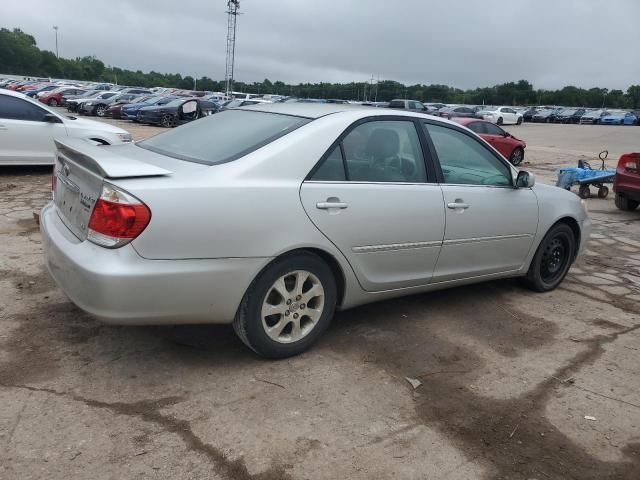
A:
120,287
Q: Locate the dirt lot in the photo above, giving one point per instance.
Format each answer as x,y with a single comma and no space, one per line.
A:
508,376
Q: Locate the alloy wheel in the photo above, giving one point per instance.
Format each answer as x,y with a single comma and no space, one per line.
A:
100,109
292,306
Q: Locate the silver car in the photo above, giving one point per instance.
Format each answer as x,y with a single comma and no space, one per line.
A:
272,216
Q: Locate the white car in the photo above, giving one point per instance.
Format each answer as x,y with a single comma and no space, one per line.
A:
27,130
501,116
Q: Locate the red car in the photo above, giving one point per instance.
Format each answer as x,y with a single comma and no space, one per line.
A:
626,183
510,147
53,98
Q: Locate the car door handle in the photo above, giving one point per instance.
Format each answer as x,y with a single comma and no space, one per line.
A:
456,205
328,205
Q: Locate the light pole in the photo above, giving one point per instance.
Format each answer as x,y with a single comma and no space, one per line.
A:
55,27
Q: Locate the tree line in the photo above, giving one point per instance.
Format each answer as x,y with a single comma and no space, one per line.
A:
20,55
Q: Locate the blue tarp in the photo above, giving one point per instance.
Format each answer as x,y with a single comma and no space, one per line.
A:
571,176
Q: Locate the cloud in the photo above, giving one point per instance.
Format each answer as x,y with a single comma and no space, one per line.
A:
462,43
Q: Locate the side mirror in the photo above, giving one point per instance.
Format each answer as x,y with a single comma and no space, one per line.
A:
51,118
525,179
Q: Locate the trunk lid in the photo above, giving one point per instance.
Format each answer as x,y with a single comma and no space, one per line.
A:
80,170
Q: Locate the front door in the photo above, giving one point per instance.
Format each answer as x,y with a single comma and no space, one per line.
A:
490,225
25,138
371,196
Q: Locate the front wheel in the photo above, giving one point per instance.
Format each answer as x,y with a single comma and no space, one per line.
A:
519,122
53,102
100,110
552,259
287,307
516,157
168,121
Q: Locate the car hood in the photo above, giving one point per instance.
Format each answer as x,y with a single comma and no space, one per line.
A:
87,124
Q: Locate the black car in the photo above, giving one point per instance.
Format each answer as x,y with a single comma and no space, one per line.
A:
528,115
569,115
99,106
177,112
411,105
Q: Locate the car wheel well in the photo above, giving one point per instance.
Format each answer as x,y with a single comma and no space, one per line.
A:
336,269
575,228
100,141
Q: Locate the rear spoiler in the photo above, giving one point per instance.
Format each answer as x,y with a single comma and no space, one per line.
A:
106,162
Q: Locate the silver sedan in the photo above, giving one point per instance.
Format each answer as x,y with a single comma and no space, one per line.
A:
271,217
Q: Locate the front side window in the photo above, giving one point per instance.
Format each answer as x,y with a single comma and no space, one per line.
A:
378,151
18,109
223,137
464,160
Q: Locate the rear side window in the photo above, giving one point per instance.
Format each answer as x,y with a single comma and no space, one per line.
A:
223,137
18,109
477,127
377,151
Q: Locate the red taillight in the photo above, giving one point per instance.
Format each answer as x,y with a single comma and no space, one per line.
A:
629,161
117,218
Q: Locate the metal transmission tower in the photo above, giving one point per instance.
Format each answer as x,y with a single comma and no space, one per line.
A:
232,16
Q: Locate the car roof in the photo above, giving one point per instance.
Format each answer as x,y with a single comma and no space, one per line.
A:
303,109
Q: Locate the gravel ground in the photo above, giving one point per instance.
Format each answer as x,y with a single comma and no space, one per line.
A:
508,377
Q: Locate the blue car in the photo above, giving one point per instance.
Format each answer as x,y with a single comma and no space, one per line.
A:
619,118
46,88
130,111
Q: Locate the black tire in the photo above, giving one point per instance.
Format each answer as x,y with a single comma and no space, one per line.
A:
552,260
517,156
168,121
584,191
248,323
603,192
52,103
500,121
626,204
519,122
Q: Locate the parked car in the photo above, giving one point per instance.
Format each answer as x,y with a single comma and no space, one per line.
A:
237,103
543,116
411,105
136,91
98,106
453,112
130,111
593,117
73,102
618,117
626,183
569,115
510,147
115,108
28,129
528,115
45,88
77,104
179,228
433,107
501,116
176,112
54,98
636,114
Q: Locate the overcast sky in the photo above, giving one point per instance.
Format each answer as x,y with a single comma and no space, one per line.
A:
464,43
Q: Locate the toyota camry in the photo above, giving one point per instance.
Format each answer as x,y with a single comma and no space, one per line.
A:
271,217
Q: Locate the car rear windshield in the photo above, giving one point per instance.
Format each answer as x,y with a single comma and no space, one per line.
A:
396,104
223,137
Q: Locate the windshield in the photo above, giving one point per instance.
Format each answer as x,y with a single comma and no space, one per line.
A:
223,137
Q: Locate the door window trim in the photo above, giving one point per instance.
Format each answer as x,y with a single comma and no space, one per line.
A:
429,163
471,135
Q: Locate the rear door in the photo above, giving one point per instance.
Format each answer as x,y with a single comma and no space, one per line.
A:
490,225
25,138
375,198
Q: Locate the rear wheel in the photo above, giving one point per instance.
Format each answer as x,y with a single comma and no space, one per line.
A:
287,307
626,204
519,122
100,110
603,192
552,259
500,121
53,102
516,157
